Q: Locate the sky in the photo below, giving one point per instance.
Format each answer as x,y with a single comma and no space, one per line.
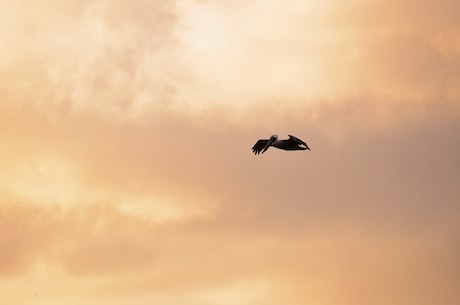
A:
127,174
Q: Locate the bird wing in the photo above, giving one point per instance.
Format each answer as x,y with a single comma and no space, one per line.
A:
296,140
257,148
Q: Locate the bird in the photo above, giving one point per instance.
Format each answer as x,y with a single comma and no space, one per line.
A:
293,143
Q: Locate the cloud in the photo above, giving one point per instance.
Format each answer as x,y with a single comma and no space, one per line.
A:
127,173
307,53
134,60
127,258
100,57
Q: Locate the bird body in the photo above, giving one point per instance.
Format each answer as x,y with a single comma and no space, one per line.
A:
293,143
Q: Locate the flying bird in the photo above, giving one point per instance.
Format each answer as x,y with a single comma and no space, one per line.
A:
292,143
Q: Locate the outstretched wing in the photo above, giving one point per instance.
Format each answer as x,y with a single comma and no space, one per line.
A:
257,148
297,140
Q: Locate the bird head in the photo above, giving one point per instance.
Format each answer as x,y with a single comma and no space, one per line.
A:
272,139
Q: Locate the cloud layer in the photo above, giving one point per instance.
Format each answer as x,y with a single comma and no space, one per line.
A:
127,175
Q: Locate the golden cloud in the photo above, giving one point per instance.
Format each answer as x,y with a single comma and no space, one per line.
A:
127,174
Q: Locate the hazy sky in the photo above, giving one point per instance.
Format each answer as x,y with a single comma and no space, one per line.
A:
127,175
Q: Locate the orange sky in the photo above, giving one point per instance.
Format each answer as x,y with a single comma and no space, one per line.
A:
127,175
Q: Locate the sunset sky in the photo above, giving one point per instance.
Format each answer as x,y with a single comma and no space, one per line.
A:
127,175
